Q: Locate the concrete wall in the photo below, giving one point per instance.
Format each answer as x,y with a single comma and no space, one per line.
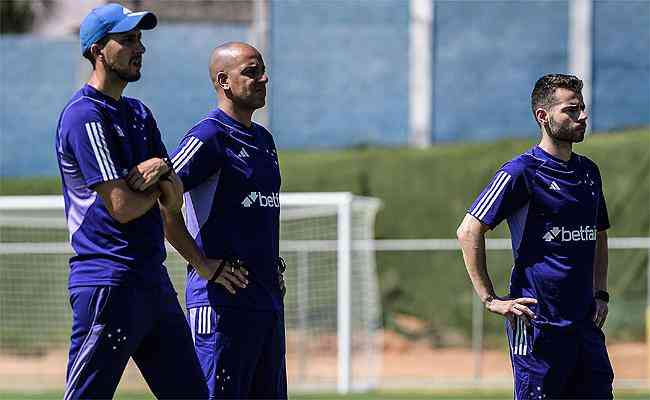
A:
339,74
39,76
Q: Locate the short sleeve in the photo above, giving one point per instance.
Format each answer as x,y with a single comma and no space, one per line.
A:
92,146
504,194
197,157
602,218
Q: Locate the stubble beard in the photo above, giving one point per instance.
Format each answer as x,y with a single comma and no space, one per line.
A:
252,103
256,100
564,133
123,73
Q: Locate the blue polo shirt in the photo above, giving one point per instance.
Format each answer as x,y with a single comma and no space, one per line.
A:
232,181
554,210
100,139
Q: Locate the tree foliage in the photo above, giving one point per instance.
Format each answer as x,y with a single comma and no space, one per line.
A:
15,16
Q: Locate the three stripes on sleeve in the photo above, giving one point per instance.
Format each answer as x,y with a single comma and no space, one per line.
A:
102,154
186,153
485,202
97,139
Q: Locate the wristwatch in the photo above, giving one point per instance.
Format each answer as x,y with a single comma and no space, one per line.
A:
602,295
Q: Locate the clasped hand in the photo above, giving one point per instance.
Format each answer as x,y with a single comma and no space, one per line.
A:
146,174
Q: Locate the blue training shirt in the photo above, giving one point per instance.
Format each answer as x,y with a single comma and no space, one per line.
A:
554,210
232,182
100,139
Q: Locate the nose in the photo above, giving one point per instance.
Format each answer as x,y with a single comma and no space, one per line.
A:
140,49
264,78
583,115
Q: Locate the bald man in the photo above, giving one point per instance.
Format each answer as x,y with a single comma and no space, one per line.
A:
230,172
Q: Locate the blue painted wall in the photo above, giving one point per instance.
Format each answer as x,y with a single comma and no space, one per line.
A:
39,76
621,87
339,74
488,56
37,79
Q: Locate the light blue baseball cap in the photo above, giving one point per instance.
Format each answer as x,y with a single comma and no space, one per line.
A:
112,18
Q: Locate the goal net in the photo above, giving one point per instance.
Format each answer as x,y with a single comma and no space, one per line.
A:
332,308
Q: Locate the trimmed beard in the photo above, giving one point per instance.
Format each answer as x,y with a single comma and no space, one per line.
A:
249,104
122,74
563,133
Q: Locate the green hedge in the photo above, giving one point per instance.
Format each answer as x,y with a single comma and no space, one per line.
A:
425,194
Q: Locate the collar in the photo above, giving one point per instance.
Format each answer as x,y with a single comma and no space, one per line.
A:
97,95
228,120
541,153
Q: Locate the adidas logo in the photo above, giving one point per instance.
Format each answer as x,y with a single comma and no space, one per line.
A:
271,200
584,233
554,186
243,153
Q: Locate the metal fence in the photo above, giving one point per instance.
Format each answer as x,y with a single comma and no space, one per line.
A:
486,362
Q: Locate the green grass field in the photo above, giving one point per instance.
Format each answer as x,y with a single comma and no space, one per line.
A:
468,395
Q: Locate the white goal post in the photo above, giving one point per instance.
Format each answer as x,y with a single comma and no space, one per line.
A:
332,306
349,209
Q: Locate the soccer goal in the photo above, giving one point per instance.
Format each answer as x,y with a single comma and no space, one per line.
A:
332,306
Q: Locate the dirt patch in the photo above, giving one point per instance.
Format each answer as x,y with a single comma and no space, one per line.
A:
401,360
417,359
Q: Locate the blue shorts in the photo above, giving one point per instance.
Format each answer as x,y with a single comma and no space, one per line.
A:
242,352
111,324
552,363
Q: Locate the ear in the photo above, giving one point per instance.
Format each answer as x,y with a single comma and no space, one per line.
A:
222,81
96,51
541,115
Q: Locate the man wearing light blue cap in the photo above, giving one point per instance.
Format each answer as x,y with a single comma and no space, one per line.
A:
116,181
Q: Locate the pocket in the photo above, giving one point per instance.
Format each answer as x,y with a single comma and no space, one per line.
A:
538,339
88,302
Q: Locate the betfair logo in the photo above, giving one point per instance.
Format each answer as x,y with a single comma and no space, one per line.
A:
552,234
583,234
249,200
270,200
